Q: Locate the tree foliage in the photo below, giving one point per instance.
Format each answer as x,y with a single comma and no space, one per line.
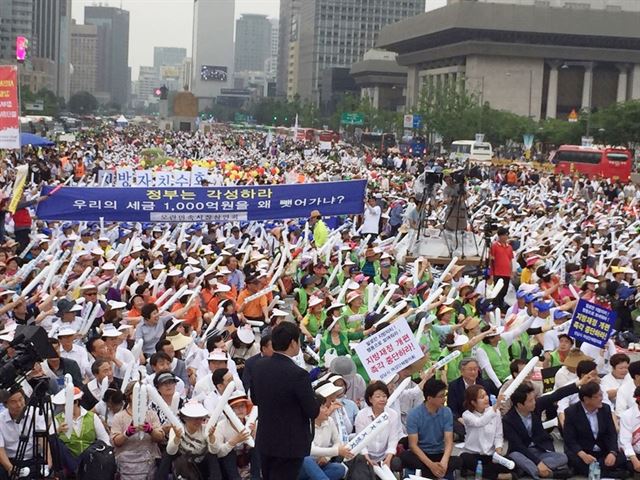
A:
83,103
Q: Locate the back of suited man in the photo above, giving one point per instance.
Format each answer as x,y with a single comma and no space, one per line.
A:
287,407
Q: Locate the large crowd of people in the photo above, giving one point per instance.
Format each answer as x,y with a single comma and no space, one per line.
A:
170,341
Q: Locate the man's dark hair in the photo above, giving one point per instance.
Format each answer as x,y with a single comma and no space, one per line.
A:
584,367
217,377
283,334
156,357
264,341
514,367
634,369
589,389
162,343
211,342
91,342
433,387
95,366
147,310
373,388
503,231
618,358
521,393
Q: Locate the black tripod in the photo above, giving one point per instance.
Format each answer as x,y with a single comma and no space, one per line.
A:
44,444
457,207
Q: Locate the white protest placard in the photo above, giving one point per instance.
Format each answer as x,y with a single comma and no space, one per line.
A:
389,351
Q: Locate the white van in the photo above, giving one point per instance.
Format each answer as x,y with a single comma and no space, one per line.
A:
461,150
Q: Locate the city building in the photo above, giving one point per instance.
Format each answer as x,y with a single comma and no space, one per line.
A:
50,43
168,56
271,65
337,33
253,42
213,57
113,73
542,62
381,80
288,17
16,18
612,5
84,58
148,81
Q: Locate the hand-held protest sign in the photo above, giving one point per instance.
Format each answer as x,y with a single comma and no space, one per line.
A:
68,404
369,433
528,368
388,351
592,323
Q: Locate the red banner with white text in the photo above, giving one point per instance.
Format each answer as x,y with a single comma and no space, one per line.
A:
9,116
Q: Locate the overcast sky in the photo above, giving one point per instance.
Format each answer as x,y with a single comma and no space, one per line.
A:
168,23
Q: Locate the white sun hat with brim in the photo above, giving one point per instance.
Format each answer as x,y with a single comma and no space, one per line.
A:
60,397
327,389
246,335
194,409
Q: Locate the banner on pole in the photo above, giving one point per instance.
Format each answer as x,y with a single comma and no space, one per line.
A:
18,187
9,108
196,204
390,350
592,323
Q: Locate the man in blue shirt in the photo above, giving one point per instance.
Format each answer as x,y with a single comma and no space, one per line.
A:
430,429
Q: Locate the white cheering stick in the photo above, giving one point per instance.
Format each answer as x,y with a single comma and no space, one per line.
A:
175,399
369,433
343,291
213,322
496,289
36,280
274,264
287,246
392,289
157,282
238,425
550,423
430,299
80,280
398,391
31,244
174,298
371,291
89,320
392,313
312,354
415,274
222,401
378,295
573,292
383,472
446,271
363,243
68,404
260,293
194,295
156,398
528,368
126,273
505,462
139,406
420,330
165,294
273,303
336,269
449,358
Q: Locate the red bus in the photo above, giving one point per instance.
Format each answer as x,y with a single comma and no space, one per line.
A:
614,163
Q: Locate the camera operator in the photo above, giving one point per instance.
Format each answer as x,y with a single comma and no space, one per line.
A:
454,194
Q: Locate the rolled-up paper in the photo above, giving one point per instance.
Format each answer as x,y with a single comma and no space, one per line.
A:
528,368
237,424
68,404
222,401
449,358
156,398
362,439
505,462
398,391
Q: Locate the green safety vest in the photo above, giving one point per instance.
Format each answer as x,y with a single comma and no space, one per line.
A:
434,344
521,346
315,323
393,277
453,367
555,359
302,304
499,359
78,444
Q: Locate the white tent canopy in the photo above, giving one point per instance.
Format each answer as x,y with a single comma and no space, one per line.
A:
121,120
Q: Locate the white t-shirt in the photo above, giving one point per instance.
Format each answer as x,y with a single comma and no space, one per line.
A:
371,222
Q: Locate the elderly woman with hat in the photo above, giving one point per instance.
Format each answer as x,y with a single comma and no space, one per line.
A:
234,453
242,345
87,427
314,319
136,446
320,230
353,312
301,296
194,449
438,331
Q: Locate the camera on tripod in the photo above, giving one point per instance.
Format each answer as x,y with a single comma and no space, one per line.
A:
459,176
491,226
432,177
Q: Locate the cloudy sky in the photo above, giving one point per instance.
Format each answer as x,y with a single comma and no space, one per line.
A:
168,23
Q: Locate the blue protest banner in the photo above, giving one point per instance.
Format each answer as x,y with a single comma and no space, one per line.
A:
196,204
592,323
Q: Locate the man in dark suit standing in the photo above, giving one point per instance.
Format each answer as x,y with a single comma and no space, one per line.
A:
266,350
286,404
590,434
470,375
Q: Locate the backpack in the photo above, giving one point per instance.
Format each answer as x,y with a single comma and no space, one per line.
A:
97,462
359,469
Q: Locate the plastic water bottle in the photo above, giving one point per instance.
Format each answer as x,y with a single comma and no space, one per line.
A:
594,471
478,471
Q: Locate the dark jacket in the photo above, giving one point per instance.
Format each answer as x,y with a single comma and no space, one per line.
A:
247,372
455,395
287,407
578,435
516,433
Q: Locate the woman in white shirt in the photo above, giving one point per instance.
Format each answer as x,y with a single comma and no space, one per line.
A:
371,218
483,424
382,449
612,381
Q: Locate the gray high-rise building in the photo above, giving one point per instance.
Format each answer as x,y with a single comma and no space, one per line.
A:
114,75
84,58
168,56
611,5
253,42
16,18
337,33
288,17
51,42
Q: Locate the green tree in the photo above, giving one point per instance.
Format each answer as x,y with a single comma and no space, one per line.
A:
617,124
83,103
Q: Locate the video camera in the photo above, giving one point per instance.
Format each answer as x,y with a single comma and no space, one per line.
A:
491,225
31,345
